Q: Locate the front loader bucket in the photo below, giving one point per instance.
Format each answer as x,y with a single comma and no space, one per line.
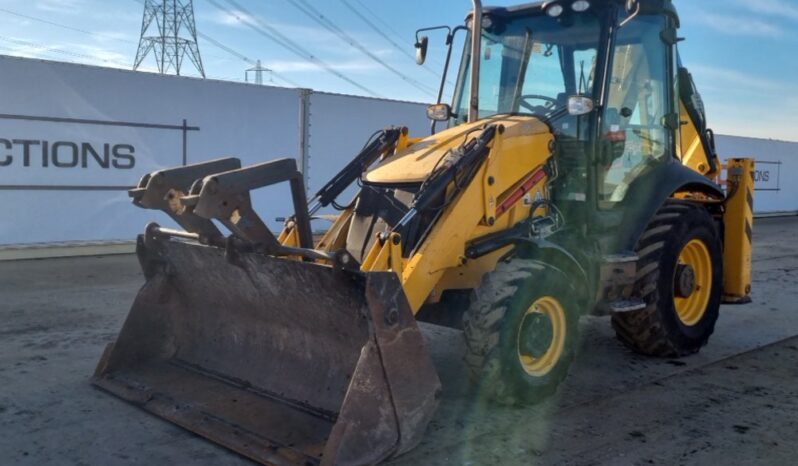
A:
285,362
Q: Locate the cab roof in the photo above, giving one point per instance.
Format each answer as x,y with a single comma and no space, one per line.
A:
533,8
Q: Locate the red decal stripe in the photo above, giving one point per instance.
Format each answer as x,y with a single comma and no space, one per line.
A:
519,193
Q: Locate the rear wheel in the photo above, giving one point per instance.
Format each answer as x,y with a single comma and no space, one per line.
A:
679,277
521,332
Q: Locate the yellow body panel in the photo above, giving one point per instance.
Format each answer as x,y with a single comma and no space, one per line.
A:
440,263
469,275
414,163
289,237
335,237
738,221
691,151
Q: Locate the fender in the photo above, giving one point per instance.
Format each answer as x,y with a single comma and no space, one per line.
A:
561,259
648,193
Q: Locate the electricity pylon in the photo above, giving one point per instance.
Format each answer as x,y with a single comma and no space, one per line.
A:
175,38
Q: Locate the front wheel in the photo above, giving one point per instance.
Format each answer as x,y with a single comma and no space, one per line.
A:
680,278
521,332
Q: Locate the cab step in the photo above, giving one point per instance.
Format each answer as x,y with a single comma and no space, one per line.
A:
626,305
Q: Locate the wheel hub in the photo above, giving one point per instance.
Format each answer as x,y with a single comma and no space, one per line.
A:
692,282
540,340
685,280
537,333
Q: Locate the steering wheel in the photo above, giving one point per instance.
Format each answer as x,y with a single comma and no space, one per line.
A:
550,104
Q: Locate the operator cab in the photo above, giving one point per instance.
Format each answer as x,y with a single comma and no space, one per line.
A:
602,74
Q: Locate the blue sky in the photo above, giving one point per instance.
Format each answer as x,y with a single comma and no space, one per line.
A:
741,52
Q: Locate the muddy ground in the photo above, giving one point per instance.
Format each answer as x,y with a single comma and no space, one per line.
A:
734,403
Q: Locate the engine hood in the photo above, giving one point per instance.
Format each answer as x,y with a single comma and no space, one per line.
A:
413,164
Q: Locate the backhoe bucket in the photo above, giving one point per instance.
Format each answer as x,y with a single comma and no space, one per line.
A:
283,361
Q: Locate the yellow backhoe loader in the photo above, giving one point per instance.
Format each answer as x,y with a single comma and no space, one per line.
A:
576,175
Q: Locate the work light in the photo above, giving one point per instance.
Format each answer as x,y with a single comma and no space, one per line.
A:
580,5
555,10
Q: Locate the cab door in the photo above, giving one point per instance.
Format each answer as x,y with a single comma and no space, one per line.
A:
636,131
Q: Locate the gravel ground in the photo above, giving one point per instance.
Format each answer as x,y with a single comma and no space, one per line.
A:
734,403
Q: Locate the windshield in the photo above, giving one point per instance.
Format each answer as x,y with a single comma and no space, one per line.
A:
531,65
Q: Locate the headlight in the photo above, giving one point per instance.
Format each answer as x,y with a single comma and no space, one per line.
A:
580,105
580,5
555,10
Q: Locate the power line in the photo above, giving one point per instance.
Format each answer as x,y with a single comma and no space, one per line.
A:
314,14
48,48
243,57
382,21
227,49
39,55
266,30
379,31
44,48
64,26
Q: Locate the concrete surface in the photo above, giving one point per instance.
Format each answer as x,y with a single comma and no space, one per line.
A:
15,252
734,403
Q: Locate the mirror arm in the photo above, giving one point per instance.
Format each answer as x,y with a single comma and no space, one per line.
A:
432,28
450,45
632,16
476,52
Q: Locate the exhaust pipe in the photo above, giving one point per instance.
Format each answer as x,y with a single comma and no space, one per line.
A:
476,52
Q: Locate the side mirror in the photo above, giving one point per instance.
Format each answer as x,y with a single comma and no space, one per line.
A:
439,112
580,105
421,50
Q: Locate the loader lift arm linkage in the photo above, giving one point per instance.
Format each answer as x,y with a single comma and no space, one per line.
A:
196,194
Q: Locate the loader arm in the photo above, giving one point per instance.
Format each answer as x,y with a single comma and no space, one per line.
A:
510,155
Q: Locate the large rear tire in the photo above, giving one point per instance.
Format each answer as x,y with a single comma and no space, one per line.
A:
521,332
680,278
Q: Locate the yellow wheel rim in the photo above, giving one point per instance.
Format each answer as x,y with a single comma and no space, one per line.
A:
691,303
546,318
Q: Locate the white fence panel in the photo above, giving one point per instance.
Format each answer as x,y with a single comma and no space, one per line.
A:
73,138
776,170
340,126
